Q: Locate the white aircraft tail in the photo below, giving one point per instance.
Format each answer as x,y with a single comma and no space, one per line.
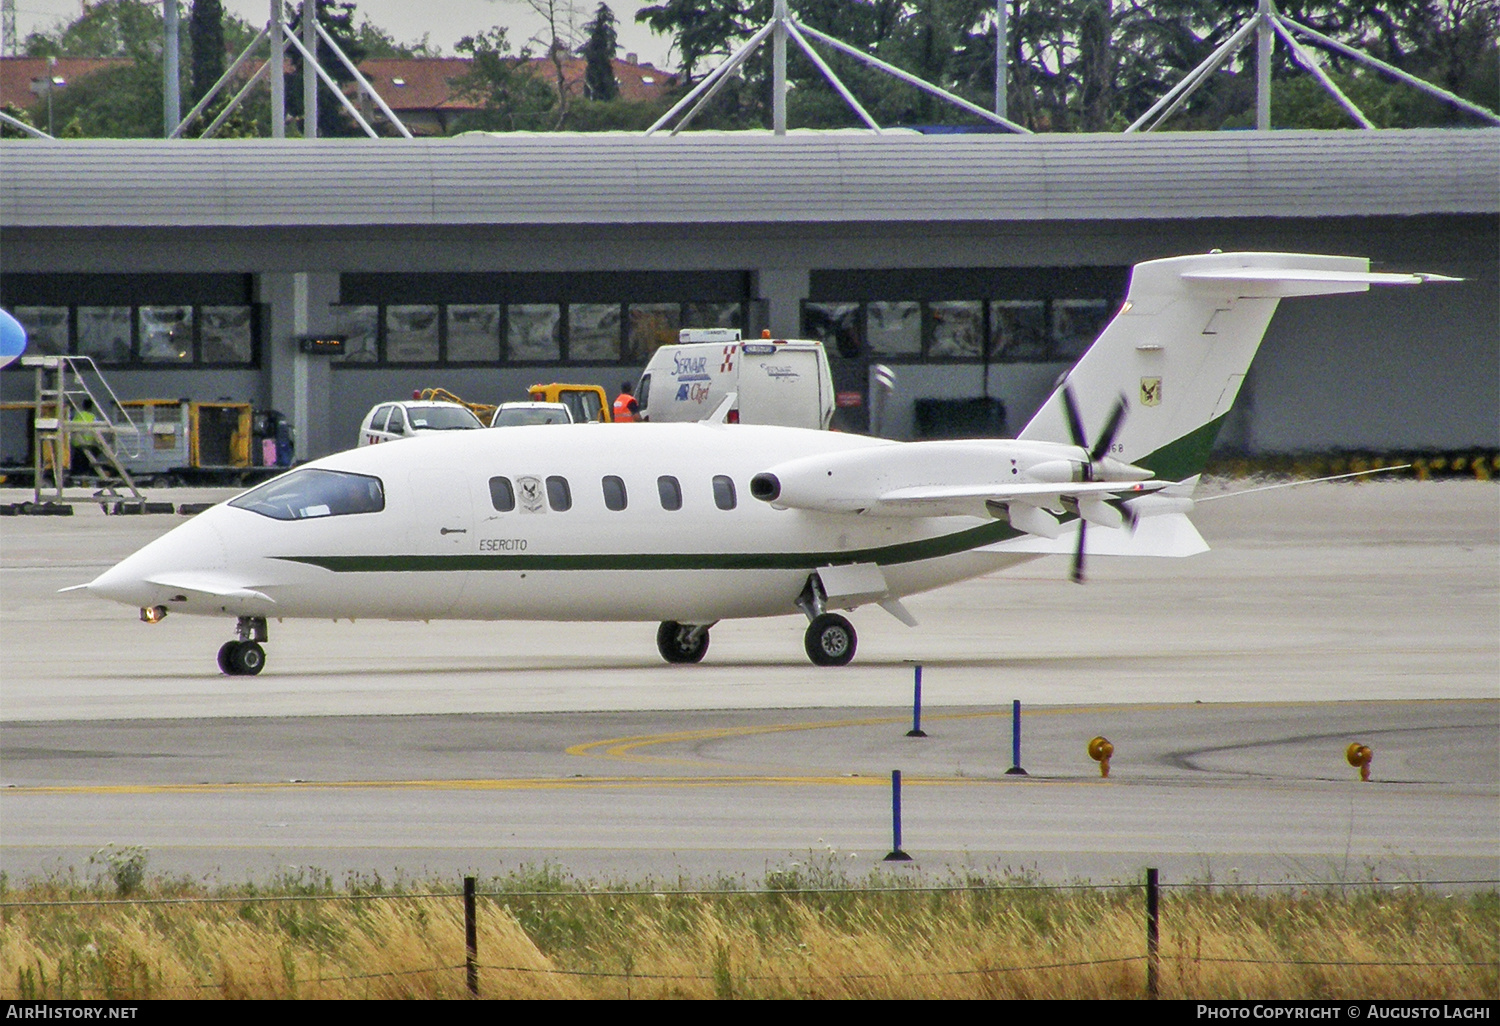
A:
1179,348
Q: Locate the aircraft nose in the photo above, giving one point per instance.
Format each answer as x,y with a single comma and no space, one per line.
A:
195,545
124,582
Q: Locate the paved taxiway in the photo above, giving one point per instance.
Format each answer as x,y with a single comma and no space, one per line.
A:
1229,682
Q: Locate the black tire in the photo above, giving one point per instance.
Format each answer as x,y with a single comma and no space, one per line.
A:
676,644
248,658
226,653
830,640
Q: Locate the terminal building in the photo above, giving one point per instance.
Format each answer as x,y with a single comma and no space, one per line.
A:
972,265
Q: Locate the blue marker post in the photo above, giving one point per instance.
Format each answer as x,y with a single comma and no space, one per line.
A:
916,707
896,855
1015,741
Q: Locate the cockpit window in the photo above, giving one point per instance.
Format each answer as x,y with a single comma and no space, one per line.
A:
306,494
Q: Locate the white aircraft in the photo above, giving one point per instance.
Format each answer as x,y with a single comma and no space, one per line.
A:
689,524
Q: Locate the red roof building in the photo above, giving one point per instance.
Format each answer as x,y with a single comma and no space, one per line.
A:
419,90
24,80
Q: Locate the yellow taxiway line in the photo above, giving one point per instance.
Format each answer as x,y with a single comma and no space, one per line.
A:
515,784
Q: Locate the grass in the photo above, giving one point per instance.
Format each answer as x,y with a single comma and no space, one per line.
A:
805,933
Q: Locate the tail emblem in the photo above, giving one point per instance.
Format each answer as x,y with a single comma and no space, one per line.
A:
1151,391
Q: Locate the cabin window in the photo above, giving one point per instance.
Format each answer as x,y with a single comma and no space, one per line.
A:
308,494
614,493
502,494
397,425
670,491
723,492
559,496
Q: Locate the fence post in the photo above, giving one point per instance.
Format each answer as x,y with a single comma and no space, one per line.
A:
896,854
471,938
1153,935
916,707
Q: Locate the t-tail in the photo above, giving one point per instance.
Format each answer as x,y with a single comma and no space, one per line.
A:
1179,349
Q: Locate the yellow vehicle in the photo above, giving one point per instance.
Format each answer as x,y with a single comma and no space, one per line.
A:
484,411
585,402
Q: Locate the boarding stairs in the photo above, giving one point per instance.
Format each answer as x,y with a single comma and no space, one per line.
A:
76,413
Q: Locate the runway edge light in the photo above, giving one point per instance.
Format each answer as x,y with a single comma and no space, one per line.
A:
1359,756
1100,749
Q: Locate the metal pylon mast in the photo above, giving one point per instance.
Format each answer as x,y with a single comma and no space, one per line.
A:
1267,25
7,28
779,29
279,34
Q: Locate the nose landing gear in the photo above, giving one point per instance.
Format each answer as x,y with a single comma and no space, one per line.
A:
244,657
682,642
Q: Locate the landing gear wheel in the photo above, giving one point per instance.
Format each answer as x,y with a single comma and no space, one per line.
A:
830,640
247,659
226,653
681,643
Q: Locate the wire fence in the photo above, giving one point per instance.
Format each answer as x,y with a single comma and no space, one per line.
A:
584,892
795,979
1153,957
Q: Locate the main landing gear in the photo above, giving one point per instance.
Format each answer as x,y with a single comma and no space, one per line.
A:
682,642
830,639
243,657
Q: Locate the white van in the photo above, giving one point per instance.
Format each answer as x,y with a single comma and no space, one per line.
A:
774,381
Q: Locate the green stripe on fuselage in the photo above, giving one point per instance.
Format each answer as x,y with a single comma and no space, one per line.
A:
886,555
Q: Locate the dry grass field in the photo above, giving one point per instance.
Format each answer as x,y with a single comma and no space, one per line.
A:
803,934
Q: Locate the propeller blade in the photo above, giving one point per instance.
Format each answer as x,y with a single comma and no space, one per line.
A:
1132,518
1075,421
1111,428
1077,573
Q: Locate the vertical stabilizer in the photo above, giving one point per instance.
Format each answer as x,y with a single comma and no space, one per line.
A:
1179,349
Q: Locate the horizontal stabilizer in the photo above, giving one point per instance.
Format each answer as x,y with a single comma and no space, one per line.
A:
1170,535
1282,282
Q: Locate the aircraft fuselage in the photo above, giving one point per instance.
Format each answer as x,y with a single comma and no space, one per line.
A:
440,549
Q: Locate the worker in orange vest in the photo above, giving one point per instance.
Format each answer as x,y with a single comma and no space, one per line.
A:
626,408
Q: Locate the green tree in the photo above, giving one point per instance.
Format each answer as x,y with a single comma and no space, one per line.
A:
122,101
378,44
206,42
20,114
106,28
512,97
599,52
700,28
